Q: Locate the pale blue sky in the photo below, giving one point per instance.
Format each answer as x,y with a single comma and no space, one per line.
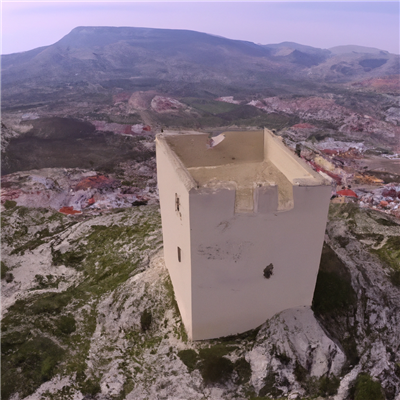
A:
27,25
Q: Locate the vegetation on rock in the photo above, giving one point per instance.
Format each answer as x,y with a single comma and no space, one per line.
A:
365,388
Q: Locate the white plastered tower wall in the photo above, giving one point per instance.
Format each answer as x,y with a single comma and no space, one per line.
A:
238,217
173,179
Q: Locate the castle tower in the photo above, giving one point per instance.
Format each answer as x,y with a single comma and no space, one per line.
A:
243,228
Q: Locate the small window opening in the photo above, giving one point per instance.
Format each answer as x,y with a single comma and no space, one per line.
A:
177,202
179,254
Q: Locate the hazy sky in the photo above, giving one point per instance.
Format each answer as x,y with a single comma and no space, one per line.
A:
30,24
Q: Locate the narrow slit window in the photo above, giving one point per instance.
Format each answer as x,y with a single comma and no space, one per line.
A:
177,202
179,254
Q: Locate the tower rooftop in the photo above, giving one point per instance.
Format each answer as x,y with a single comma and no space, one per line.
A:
243,160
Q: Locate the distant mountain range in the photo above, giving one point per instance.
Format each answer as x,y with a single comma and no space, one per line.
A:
180,62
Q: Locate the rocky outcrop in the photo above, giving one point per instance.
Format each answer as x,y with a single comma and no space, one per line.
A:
376,317
291,340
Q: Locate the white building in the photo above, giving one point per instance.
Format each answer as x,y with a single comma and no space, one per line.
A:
243,226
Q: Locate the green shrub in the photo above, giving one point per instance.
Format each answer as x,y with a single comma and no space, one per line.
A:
328,385
243,369
25,366
189,358
51,303
69,258
22,211
90,387
66,324
283,358
145,320
300,372
9,277
269,388
343,241
365,388
216,369
386,222
324,386
4,270
9,204
40,280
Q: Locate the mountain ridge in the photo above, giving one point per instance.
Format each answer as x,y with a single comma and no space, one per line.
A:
168,60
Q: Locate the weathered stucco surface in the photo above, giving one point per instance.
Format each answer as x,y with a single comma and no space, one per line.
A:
244,205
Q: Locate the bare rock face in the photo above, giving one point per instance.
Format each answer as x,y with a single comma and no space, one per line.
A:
376,320
162,104
292,339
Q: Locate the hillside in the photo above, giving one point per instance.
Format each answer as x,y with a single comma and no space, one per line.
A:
88,308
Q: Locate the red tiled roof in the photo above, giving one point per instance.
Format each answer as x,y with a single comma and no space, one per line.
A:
69,211
347,192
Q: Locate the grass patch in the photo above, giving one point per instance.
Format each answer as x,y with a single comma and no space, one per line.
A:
180,330
22,211
389,253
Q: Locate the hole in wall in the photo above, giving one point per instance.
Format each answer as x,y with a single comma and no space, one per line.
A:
268,270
